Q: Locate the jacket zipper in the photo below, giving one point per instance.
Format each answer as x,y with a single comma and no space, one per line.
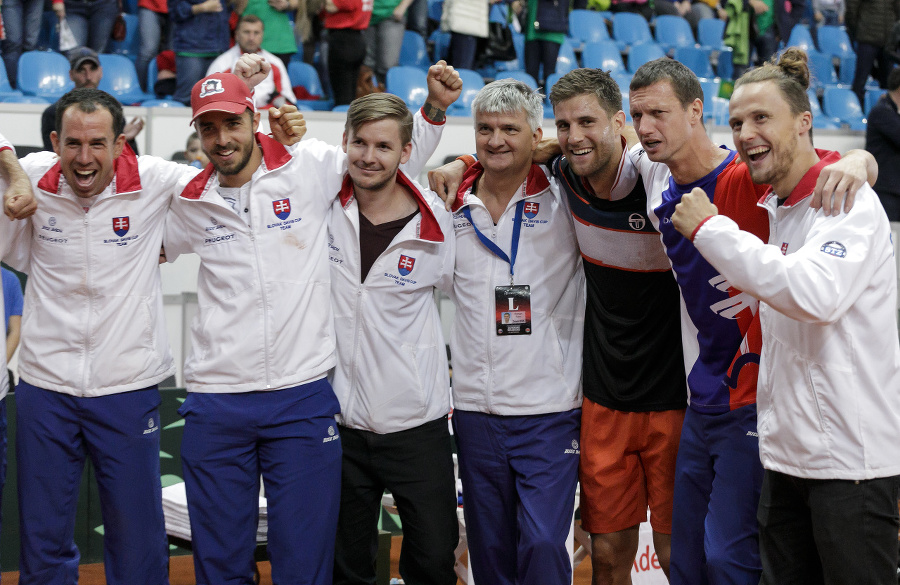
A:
90,295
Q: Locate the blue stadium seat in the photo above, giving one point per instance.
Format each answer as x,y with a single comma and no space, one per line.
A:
710,90
548,85
413,52
163,103
6,90
342,107
710,34
848,69
587,26
673,32
440,41
565,60
519,61
696,59
642,53
120,80
842,103
834,41
629,29
304,74
131,45
435,9
520,76
623,80
725,65
800,37
716,109
409,83
872,97
44,74
821,69
626,109
820,120
472,83
603,55
25,99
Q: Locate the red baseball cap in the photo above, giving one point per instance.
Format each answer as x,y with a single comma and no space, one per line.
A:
220,92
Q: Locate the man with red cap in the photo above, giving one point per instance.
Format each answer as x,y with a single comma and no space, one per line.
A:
94,344
263,340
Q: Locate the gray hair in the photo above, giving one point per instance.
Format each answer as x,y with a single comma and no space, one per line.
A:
509,96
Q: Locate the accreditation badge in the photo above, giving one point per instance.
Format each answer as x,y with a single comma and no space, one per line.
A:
513,309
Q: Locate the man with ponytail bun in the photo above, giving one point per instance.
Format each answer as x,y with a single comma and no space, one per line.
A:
827,400
718,475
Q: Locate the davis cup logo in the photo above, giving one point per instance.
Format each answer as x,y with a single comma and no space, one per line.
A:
405,265
210,87
531,209
121,225
282,208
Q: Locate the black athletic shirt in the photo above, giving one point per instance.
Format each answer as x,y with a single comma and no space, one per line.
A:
633,358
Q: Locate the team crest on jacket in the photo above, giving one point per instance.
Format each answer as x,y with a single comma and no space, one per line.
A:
120,225
282,208
531,209
405,264
210,87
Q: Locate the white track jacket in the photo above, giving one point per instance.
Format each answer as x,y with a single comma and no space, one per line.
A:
509,375
93,324
264,290
392,370
829,381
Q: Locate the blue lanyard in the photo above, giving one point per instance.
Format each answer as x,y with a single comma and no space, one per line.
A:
494,248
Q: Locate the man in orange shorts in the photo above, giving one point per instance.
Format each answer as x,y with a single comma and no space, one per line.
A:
633,372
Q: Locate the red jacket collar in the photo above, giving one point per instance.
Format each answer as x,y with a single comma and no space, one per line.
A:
536,183
125,168
806,185
430,229
275,155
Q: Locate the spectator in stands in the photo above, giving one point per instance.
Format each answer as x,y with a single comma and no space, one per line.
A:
91,22
193,152
765,43
200,34
156,36
345,21
869,23
828,12
467,21
693,12
279,38
547,23
164,84
274,89
384,36
417,17
883,141
85,71
787,14
22,23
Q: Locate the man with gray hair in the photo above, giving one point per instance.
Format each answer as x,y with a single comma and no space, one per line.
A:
516,385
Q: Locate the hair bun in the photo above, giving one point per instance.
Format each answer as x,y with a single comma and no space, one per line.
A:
794,62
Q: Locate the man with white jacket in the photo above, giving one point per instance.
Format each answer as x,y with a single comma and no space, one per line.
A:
263,341
829,408
390,244
516,385
94,345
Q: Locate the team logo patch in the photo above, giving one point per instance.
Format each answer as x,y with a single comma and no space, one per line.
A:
531,209
636,221
282,208
835,249
784,248
120,225
211,87
406,264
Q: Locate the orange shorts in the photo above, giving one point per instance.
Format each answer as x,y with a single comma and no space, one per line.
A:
627,463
